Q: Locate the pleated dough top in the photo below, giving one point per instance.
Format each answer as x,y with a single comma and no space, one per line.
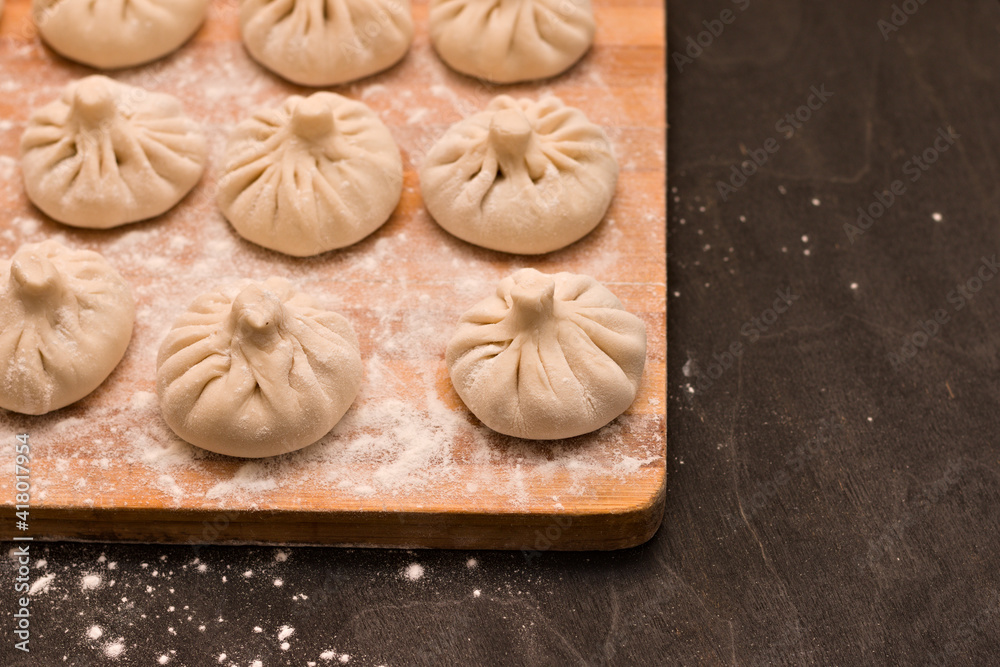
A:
257,369
547,356
505,41
326,42
522,176
109,34
105,154
311,175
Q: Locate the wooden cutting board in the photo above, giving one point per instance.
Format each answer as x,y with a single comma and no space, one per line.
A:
408,466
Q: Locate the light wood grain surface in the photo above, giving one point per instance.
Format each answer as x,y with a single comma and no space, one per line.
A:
408,466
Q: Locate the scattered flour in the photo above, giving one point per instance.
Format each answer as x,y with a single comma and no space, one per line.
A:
41,585
95,632
90,582
414,571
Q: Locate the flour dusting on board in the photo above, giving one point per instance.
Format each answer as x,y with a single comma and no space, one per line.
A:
403,289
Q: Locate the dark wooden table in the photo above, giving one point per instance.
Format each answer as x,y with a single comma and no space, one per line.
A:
834,479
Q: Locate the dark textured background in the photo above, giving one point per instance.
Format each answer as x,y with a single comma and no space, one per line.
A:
825,506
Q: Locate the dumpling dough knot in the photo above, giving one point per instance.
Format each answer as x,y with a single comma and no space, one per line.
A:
256,317
312,120
36,279
532,303
517,152
94,103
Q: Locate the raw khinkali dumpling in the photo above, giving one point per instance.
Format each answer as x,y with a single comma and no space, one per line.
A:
549,356
65,320
117,33
317,173
105,154
325,42
257,369
511,40
522,176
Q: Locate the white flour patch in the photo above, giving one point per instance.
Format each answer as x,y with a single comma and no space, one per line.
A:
41,585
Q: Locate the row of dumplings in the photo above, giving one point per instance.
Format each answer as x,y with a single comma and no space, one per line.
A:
320,172
255,369
327,42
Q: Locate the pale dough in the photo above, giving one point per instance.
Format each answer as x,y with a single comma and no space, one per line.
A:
326,42
547,356
311,175
109,34
511,40
522,176
257,369
65,321
105,154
